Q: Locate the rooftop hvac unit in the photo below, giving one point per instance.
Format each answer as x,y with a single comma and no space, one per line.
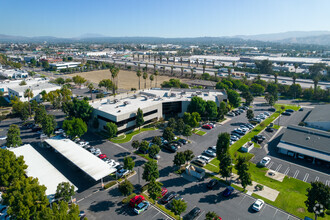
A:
108,101
173,94
126,102
116,100
198,92
135,96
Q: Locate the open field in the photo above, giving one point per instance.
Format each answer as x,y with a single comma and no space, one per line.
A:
126,79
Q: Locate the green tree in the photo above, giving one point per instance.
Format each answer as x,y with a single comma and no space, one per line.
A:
139,118
272,89
154,189
126,187
168,134
22,83
129,163
179,126
13,136
233,98
135,144
74,127
179,159
48,125
270,99
145,77
111,129
188,155
178,207
265,67
211,109
222,110
114,74
150,171
225,168
318,193
171,123
151,78
257,89
197,104
249,114
78,80
64,191
138,74
153,150
295,91
11,168
107,84
242,168
248,97
59,211
187,132
144,146
195,119
157,141
91,87
78,109
222,144
59,81
211,216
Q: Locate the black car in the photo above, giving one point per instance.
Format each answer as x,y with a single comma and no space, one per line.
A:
259,138
213,183
289,110
184,141
170,147
177,143
269,129
286,113
301,109
192,214
168,197
35,129
272,109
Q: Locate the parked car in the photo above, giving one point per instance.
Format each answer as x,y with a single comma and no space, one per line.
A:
234,138
102,156
289,110
205,158
259,138
121,173
3,138
82,214
164,191
269,129
199,162
168,197
267,113
136,200
192,214
178,143
231,114
228,191
35,129
183,141
170,147
209,127
265,161
142,206
272,109
213,183
286,113
258,204
301,109
210,153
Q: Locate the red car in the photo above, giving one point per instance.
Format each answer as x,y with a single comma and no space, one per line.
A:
164,191
102,156
136,200
207,127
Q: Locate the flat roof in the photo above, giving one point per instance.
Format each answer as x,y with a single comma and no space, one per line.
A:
39,167
308,138
38,86
150,97
83,159
320,113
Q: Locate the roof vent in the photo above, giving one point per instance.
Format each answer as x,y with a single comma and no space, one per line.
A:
108,101
308,138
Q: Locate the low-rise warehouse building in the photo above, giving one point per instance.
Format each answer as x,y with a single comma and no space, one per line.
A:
319,118
306,143
64,65
155,104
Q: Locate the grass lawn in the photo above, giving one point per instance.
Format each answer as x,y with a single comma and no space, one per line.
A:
199,132
276,127
128,137
145,156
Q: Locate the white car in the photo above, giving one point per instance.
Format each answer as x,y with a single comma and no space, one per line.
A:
265,161
205,158
210,153
43,136
121,172
258,204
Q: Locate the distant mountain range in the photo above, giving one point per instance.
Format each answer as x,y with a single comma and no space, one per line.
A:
292,37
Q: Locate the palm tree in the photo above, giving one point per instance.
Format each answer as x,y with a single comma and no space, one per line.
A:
139,67
154,66
229,73
296,67
143,57
156,76
192,72
174,60
172,67
114,74
213,63
28,94
138,74
205,61
146,67
204,66
315,81
133,55
145,77
125,65
149,56
138,57
294,77
167,58
161,58
91,87
181,60
233,63
151,77
182,68
244,65
155,58
188,62
197,62
275,76
223,65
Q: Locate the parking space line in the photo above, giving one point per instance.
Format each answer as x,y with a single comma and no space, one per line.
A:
306,177
287,171
200,215
316,178
275,213
262,210
278,167
242,199
296,174
270,165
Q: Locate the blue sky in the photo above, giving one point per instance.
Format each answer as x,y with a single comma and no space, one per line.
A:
161,18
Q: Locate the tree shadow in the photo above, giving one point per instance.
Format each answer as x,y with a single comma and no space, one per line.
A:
217,198
101,206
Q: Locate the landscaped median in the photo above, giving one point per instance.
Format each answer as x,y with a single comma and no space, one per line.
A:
199,132
128,137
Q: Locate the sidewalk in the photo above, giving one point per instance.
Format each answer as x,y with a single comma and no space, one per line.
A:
267,192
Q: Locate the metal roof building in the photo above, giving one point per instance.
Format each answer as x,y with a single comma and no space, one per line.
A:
305,141
319,118
39,167
80,157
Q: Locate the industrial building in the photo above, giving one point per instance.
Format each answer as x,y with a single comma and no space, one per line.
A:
36,90
155,104
64,65
6,84
319,118
13,73
306,143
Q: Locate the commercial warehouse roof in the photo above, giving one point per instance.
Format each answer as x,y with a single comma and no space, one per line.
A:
39,167
320,113
83,159
307,138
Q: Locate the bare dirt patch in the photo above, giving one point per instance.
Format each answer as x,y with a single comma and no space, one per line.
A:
126,79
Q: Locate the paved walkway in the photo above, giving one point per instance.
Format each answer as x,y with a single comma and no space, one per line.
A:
268,193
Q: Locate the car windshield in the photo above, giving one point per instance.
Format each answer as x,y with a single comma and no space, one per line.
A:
256,204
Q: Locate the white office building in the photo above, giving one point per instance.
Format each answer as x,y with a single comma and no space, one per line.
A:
36,90
64,65
6,84
155,104
13,73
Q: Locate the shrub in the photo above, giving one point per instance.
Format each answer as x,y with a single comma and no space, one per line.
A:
108,185
262,124
128,198
259,187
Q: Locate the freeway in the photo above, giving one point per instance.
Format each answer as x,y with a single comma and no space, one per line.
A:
305,83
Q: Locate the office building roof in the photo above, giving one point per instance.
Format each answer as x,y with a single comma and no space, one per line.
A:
83,159
38,86
39,167
320,113
308,138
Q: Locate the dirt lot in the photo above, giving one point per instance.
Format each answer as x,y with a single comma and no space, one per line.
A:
126,79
